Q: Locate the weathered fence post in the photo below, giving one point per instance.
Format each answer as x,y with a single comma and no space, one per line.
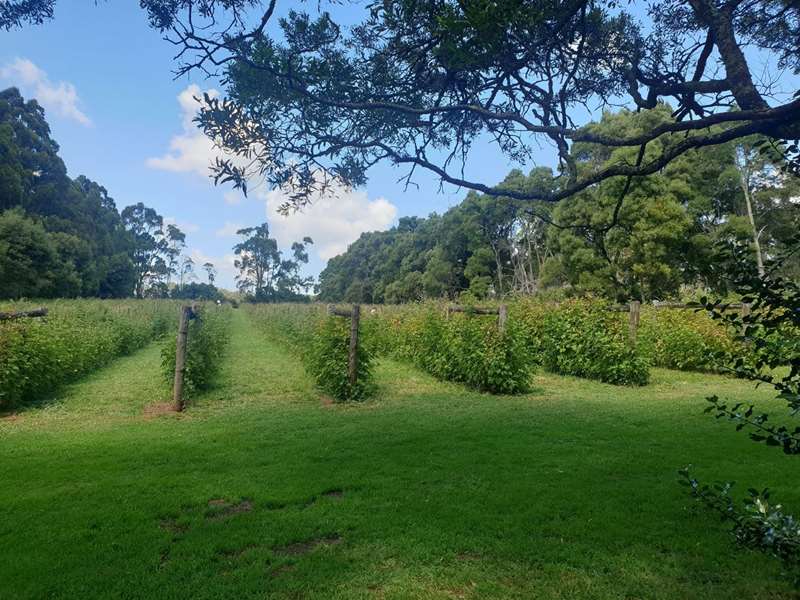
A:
502,317
180,358
352,359
634,309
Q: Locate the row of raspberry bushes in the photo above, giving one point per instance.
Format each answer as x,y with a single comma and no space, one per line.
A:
582,338
462,347
322,342
207,341
37,356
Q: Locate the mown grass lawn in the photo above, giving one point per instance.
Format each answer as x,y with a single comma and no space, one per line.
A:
428,491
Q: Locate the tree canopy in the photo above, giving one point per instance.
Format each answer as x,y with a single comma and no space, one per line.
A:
418,82
65,237
649,247
264,274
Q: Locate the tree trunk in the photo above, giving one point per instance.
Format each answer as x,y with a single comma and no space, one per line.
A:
744,180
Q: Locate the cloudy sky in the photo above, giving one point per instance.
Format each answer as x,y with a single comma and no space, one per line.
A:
105,80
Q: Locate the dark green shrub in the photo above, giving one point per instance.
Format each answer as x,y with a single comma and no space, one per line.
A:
206,344
582,338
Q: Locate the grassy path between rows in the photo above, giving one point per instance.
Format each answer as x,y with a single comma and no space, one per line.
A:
426,491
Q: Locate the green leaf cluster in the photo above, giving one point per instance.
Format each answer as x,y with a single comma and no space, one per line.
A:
580,337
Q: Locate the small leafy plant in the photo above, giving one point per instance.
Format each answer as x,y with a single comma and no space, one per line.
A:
206,344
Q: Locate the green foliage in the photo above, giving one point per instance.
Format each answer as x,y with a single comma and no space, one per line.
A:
770,331
584,339
265,275
322,343
687,340
463,347
78,336
484,245
205,347
756,523
63,237
327,361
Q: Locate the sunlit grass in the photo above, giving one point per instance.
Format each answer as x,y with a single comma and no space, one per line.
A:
426,491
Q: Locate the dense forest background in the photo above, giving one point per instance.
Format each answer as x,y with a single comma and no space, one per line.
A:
63,237
657,244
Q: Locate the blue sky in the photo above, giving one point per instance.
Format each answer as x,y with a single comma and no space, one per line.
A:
105,79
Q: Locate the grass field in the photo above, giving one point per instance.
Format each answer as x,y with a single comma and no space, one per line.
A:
260,490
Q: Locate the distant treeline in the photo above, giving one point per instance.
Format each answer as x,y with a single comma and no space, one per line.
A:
63,237
661,238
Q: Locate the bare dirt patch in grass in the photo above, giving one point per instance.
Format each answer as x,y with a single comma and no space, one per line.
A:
278,571
221,508
307,546
173,526
157,409
237,552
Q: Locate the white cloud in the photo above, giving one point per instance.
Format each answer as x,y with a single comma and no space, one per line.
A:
333,221
191,151
229,229
60,98
184,226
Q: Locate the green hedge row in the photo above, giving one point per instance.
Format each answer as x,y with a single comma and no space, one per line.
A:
323,344
462,347
584,339
685,339
37,356
207,340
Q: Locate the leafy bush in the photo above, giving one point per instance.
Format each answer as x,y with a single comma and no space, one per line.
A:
770,334
322,343
584,339
328,361
687,340
78,336
206,343
465,348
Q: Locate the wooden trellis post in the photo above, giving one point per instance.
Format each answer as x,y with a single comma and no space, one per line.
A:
352,358
180,357
502,317
745,314
634,312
